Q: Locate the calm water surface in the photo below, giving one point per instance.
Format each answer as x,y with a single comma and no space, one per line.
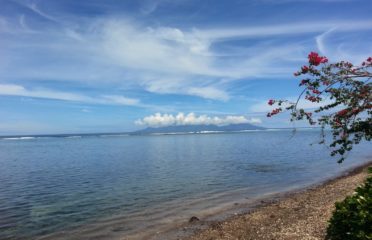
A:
106,187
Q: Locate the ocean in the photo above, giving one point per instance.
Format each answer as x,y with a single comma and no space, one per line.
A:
110,186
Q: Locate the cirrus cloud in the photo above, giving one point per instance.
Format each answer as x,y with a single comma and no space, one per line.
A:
21,91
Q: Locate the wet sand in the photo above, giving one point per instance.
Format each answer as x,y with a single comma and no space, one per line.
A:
299,215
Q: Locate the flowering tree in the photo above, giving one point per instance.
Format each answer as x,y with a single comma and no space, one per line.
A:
343,93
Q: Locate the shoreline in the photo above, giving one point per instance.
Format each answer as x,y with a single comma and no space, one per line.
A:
169,225
295,214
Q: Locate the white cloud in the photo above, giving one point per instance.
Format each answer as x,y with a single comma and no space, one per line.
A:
169,51
33,7
120,100
181,119
150,6
338,49
264,107
255,120
209,93
320,41
18,90
283,29
162,59
165,50
182,87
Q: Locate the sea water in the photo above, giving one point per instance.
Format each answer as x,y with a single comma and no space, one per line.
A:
104,186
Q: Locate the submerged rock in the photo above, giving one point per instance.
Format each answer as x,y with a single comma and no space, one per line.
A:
194,219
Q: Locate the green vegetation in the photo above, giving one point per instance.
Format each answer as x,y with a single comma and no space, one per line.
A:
352,219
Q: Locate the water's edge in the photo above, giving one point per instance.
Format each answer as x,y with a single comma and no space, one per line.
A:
175,225
233,209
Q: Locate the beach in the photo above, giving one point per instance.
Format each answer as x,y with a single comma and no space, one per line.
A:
297,215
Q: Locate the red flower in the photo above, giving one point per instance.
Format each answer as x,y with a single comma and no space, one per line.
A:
316,91
275,111
326,83
337,122
342,112
315,59
312,98
324,60
271,102
305,69
369,59
356,111
349,65
303,82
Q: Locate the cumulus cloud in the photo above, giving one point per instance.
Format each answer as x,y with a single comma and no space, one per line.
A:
181,119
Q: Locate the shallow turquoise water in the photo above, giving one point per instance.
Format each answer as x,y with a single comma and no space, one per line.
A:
58,185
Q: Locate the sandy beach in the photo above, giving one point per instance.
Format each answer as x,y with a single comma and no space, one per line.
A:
300,215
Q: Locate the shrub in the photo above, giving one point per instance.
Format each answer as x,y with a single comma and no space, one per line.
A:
352,219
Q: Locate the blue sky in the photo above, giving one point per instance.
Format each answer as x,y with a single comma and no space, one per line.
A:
106,66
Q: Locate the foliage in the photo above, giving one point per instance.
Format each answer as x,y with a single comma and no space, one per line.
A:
352,218
341,93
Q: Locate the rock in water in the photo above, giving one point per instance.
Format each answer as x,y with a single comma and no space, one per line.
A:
193,219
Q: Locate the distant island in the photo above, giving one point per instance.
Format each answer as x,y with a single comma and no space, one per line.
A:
169,130
199,129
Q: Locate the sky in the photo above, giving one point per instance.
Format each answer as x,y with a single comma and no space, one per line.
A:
77,66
